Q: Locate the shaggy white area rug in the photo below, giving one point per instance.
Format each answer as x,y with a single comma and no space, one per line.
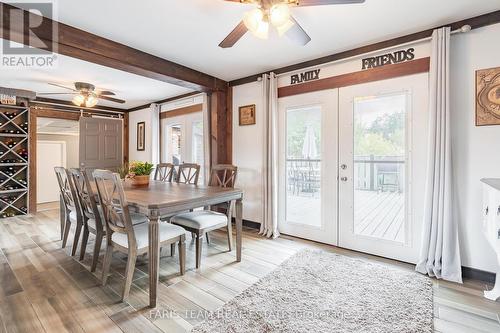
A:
316,291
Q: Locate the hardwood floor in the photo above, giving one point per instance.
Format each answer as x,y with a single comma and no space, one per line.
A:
44,289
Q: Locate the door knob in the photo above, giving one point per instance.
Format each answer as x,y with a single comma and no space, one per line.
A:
344,179
343,166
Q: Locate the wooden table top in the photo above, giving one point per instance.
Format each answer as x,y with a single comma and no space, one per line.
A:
160,195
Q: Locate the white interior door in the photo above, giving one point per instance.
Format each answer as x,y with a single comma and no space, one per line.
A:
308,166
382,163
50,154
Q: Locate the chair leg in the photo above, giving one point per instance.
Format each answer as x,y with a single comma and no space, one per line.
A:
182,254
230,235
85,240
107,263
97,250
78,231
67,227
62,217
129,273
198,250
172,249
208,238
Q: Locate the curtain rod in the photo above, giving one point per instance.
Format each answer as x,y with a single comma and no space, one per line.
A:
463,29
79,109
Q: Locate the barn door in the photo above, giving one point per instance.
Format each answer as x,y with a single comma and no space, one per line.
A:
101,143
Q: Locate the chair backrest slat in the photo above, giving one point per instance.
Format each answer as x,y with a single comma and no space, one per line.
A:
114,204
87,197
188,173
67,189
165,172
223,175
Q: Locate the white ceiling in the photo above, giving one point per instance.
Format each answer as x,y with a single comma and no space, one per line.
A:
188,31
136,90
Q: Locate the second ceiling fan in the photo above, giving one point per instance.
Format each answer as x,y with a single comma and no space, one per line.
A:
275,13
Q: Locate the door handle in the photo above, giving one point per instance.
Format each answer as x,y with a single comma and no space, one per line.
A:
344,179
343,166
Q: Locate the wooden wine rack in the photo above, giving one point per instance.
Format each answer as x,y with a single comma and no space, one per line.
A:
14,160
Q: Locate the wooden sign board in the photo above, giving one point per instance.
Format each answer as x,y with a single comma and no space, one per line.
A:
7,99
247,115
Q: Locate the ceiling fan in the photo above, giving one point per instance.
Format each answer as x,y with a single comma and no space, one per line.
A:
276,12
86,94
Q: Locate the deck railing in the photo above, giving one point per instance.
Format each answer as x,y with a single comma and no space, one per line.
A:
372,173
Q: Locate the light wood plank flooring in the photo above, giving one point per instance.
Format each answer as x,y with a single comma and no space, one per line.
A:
44,289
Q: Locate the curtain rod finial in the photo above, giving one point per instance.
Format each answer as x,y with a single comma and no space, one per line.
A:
466,28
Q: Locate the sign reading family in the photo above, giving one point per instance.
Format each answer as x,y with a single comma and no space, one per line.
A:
304,77
389,58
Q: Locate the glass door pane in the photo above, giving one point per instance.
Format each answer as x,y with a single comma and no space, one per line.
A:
303,166
197,147
379,162
174,144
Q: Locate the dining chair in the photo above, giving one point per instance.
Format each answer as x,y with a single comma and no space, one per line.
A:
200,222
165,172
92,214
122,235
188,173
92,221
72,209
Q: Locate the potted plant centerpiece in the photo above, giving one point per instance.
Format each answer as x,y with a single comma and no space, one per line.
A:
139,173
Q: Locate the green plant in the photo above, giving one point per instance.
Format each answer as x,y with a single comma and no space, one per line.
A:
138,168
123,170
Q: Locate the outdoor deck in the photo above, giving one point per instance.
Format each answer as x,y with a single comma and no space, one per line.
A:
377,214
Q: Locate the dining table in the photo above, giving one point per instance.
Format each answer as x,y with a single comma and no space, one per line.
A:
163,199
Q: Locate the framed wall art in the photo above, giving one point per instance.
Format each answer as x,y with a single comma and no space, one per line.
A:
488,97
247,115
141,136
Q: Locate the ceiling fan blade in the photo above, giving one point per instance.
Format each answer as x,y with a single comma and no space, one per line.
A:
58,85
303,3
70,93
106,93
234,36
111,99
297,33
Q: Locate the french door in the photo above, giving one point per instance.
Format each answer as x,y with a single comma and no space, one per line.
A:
183,140
307,166
382,154
352,166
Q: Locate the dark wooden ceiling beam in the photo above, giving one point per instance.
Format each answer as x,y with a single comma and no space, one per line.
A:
83,45
474,22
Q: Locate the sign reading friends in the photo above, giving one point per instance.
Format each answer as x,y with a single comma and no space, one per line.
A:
304,77
389,59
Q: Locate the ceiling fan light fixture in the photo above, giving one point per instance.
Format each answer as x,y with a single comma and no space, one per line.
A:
262,31
279,14
282,29
91,101
253,19
78,100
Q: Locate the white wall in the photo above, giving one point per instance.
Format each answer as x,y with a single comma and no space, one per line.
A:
475,149
134,118
248,143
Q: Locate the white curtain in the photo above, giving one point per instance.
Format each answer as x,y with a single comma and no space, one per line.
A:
269,226
206,139
155,132
439,255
